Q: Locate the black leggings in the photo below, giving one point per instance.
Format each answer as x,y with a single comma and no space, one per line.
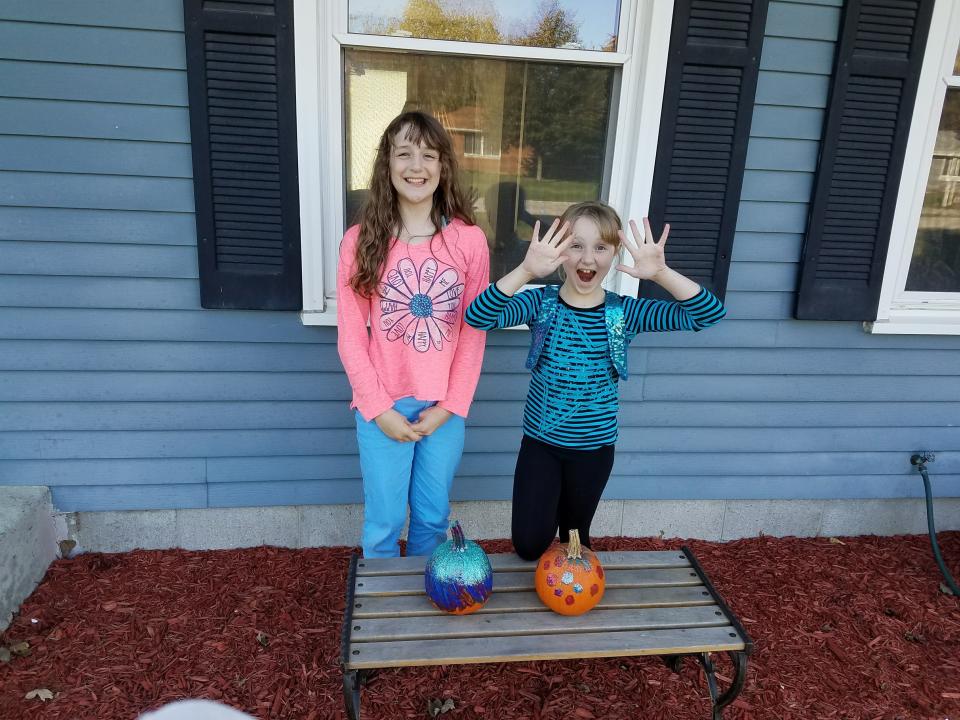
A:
555,487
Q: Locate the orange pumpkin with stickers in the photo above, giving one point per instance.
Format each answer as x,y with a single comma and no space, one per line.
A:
569,577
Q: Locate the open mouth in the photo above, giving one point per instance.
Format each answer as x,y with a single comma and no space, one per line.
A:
586,275
417,181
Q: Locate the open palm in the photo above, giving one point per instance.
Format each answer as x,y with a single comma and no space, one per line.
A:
546,254
647,253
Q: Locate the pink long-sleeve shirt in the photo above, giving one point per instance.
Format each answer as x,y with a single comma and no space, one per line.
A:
418,344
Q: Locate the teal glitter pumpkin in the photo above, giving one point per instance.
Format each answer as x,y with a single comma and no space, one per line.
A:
458,577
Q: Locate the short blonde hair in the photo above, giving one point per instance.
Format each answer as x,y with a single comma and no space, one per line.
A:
606,218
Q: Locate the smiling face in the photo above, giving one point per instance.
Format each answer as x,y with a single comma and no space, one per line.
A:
414,170
590,259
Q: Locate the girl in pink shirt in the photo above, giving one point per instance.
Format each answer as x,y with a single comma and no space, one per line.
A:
409,269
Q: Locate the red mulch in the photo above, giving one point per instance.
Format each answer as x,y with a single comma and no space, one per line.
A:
852,630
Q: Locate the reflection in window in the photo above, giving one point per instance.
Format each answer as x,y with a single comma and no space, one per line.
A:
569,24
476,143
935,265
530,137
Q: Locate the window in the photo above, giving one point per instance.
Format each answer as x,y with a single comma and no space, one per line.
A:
567,24
476,143
551,157
921,284
548,103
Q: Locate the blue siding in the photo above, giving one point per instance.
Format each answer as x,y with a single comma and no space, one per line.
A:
115,121
40,189
136,14
92,45
122,228
129,497
48,90
100,260
837,409
102,157
119,392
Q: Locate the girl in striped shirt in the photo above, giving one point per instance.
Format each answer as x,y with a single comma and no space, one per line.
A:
580,333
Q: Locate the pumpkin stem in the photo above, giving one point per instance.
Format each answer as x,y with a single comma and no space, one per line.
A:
573,547
456,532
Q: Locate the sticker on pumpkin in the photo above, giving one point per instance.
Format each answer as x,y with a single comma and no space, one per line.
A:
576,568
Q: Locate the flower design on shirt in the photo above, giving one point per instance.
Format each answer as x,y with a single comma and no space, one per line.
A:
420,304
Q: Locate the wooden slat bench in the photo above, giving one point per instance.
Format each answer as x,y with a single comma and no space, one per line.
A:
656,603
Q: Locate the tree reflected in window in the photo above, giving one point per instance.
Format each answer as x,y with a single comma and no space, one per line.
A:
568,24
531,137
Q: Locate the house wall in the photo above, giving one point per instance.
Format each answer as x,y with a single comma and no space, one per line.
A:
119,392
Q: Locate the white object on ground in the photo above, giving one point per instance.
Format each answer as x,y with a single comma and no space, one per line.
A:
196,710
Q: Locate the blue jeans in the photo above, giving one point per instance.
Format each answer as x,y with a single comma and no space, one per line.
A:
397,473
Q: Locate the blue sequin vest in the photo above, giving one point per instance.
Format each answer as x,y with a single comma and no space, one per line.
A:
613,314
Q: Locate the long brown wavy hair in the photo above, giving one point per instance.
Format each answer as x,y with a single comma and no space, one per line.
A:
379,216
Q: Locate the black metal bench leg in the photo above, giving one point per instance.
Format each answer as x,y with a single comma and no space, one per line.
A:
711,684
353,682
720,701
674,662
739,659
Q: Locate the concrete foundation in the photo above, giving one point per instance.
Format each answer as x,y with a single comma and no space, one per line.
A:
326,525
28,544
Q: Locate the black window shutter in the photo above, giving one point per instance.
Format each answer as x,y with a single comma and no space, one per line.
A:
865,138
708,99
240,73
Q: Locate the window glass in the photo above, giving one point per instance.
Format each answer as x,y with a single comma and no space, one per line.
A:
531,137
935,264
569,24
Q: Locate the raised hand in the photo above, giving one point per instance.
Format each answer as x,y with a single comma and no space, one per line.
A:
647,253
546,254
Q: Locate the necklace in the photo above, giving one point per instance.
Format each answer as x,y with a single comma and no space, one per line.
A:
411,236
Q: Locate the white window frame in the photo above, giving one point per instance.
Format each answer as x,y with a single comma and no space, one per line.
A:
909,312
481,138
320,35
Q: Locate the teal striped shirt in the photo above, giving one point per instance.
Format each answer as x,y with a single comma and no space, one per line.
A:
573,398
